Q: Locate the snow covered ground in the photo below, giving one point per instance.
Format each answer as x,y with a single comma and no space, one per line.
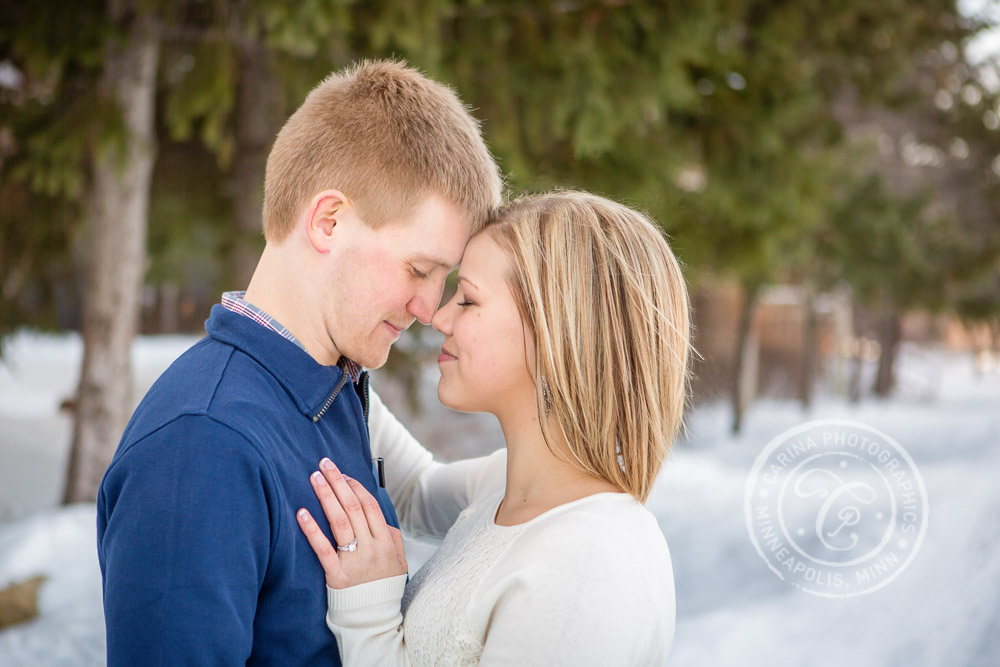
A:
942,611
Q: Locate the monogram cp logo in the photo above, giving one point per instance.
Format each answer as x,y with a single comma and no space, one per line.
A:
836,508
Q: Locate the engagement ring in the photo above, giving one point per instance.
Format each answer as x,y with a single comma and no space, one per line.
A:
353,546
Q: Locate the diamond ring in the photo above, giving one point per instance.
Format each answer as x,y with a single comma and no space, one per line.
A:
353,546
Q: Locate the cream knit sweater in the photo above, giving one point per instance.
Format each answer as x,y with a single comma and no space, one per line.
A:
586,583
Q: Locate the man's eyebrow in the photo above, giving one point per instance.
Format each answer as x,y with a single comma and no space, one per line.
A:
463,279
420,257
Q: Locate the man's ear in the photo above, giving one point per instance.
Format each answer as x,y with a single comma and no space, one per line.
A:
325,213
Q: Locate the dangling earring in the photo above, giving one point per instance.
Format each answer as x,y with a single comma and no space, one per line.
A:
546,397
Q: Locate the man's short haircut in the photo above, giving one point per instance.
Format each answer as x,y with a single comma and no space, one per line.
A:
387,137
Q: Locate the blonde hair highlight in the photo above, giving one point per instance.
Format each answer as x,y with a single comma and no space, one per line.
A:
608,308
387,137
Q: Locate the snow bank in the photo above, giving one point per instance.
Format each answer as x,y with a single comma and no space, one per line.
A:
69,630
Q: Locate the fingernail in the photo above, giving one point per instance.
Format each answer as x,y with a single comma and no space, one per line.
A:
326,464
346,478
318,477
303,514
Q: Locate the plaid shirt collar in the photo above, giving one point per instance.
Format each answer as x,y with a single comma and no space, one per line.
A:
235,302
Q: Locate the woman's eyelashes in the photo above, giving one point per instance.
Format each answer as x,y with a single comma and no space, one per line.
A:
417,273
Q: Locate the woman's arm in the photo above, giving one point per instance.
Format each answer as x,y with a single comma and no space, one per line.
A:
428,495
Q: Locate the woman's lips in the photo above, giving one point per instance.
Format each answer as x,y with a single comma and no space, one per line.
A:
446,356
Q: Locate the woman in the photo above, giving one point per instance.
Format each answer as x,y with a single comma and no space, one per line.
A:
570,324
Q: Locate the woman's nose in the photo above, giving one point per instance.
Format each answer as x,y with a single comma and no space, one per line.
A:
442,319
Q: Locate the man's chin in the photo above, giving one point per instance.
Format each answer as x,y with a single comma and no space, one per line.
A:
371,359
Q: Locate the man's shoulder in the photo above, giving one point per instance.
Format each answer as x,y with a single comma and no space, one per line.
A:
210,382
186,387
209,373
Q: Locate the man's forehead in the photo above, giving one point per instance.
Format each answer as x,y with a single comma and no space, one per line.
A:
437,233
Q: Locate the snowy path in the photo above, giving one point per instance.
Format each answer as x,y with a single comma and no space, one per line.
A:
943,611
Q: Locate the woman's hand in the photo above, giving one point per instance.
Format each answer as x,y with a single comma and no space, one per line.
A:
355,518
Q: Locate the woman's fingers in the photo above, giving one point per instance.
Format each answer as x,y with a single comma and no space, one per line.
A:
340,523
327,555
355,516
397,541
372,510
348,501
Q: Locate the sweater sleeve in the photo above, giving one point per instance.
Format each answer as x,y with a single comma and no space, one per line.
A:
428,495
572,593
367,622
184,537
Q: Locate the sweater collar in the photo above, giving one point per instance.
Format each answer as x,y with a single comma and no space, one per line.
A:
309,383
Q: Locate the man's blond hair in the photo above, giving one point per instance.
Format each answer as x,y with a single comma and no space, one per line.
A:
606,303
387,137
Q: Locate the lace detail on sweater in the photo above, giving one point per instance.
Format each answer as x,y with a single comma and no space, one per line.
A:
436,602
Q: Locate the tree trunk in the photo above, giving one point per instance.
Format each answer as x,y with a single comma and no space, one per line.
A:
115,257
740,380
889,336
807,371
256,100
858,316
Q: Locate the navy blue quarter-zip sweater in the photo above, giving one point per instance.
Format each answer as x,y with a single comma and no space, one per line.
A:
202,560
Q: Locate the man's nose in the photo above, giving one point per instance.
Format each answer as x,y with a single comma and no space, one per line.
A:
424,303
420,310
422,306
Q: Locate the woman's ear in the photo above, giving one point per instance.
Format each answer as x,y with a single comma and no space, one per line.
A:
324,214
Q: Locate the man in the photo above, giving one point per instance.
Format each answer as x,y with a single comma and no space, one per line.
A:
373,187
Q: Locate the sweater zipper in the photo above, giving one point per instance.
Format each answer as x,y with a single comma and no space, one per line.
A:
364,386
343,379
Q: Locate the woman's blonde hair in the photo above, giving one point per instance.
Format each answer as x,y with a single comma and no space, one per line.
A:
608,308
